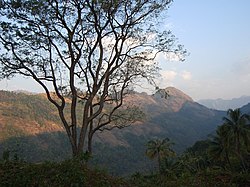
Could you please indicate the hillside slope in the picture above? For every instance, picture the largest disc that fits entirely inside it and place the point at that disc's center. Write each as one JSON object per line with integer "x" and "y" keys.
{"x": 30, "y": 127}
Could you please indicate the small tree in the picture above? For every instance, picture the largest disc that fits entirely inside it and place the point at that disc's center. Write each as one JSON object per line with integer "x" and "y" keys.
{"x": 84, "y": 52}
{"x": 159, "y": 149}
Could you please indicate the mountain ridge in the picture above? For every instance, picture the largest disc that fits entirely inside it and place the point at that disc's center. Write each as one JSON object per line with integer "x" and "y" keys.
{"x": 225, "y": 104}
{"x": 166, "y": 103}
{"x": 170, "y": 113}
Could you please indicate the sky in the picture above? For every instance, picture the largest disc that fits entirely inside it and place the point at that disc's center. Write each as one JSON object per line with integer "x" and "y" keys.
{"x": 216, "y": 33}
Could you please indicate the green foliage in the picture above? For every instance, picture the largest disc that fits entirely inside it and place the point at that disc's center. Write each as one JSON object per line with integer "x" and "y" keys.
{"x": 66, "y": 173}
{"x": 24, "y": 174}
{"x": 6, "y": 155}
{"x": 222, "y": 161}
{"x": 36, "y": 148}
{"x": 208, "y": 177}
{"x": 231, "y": 142}
{"x": 122, "y": 160}
{"x": 160, "y": 149}
{"x": 153, "y": 180}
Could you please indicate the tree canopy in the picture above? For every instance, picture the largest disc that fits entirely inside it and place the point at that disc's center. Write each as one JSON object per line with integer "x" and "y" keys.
{"x": 87, "y": 53}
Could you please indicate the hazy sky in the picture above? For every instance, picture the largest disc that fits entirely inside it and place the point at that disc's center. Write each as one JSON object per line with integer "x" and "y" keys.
{"x": 216, "y": 33}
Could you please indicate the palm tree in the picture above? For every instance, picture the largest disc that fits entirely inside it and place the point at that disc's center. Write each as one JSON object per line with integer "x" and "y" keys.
{"x": 237, "y": 127}
{"x": 159, "y": 149}
{"x": 220, "y": 146}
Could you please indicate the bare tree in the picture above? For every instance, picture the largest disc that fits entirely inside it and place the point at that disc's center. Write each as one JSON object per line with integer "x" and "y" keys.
{"x": 84, "y": 52}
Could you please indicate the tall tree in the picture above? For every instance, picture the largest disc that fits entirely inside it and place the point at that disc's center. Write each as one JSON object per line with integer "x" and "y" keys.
{"x": 85, "y": 52}
{"x": 237, "y": 127}
{"x": 159, "y": 149}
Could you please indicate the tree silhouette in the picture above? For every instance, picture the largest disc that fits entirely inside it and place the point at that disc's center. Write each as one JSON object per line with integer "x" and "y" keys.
{"x": 159, "y": 149}
{"x": 220, "y": 146}
{"x": 236, "y": 126}
{"x": 85, "y": 52}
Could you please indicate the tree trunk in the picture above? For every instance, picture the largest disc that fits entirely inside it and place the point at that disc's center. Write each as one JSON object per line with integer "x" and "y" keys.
{"x": 74, "y": 148}
{"x": 90, "y": 143}
{"x": 228, "y": 160}
{"x": 74, "y": 151}
{"x": 239, "y": 153}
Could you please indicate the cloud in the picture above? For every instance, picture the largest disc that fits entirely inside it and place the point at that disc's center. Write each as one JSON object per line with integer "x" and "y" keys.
{"x": 186, "y": 75}
{"x": 167, "y": 78}
{"x": 168, "y": 75}
{"x": 171, "y": 77}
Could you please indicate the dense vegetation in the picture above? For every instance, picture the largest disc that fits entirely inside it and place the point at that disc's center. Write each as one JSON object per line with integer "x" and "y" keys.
{"x": 66, "y": 173}
{"x": 222, "y": 160}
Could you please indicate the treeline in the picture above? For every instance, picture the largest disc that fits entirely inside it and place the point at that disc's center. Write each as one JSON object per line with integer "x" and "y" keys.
{"x": 221, "y": 160}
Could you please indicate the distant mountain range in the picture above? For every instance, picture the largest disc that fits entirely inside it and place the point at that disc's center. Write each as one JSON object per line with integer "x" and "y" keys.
{"x": 222, "y": 104}
{"x": 29, "y": 126}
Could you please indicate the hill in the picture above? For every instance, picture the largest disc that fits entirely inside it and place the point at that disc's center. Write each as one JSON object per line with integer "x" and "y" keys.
{"x": 246, "y": 109}
{"x": 222, "y": 104}
{"x": 30, "y": 128}
{"x": 171, "y": 113}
